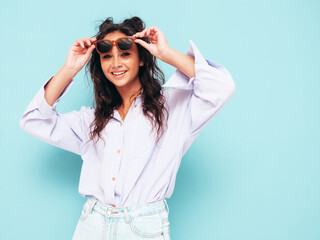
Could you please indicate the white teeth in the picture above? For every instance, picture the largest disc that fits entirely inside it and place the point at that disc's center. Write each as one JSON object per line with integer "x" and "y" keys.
{"x": 118, "y": 73}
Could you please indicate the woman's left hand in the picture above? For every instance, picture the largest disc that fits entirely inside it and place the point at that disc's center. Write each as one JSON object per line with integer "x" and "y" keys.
{"x": 159, "y": 46}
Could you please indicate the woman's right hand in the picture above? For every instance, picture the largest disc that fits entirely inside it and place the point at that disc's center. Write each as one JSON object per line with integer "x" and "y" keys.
{"x": 79, "y": 53}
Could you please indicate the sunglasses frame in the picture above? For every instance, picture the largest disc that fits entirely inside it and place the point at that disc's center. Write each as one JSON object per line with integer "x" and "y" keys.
{"x": 114, "y": 43}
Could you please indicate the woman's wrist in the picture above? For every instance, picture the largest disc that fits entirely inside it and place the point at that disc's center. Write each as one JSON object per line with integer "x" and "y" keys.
{"x": 182, "y": 62}
{"x": 68, "y": 72}
{"x": 167, "y": 55}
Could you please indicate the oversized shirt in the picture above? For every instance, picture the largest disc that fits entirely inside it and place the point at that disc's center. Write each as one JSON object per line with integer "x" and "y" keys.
{"x": 130, "y": 168}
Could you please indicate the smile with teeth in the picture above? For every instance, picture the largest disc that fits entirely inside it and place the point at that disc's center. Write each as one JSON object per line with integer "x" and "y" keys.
{"x": 118, "y": 73}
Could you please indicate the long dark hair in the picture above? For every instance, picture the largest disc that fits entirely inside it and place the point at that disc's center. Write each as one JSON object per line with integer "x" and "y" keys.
{"x": 106, "y": 96}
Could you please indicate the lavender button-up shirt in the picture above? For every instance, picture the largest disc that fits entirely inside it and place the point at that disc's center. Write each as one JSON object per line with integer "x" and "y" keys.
{"x": 131, "y": 169}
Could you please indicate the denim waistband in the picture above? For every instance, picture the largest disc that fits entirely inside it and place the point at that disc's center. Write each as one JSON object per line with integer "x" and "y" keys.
{"x": 125, "y": 212}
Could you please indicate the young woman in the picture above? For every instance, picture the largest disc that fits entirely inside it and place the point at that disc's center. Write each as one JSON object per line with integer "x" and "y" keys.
{"x": 133, "y": 140}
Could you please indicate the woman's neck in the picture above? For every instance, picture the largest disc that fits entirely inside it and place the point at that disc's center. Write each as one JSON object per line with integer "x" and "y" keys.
{"x": 129, "y": 93}
{"x": 124, "y": 108}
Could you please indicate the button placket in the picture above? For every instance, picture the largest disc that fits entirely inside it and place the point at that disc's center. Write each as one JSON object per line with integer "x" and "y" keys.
{"x": 117, "y": 149}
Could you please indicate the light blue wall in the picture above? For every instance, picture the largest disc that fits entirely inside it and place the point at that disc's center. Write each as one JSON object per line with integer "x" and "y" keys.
{"x": 253, "y": 173}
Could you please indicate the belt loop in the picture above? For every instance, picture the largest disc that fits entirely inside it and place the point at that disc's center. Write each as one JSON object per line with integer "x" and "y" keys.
{"x": 127, "y": 214}
{"x": 165, "y": 201}
{"x": 92, "y": 205}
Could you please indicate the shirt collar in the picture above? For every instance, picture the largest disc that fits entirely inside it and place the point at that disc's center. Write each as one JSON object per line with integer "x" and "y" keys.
{"x": 137, "y": 101}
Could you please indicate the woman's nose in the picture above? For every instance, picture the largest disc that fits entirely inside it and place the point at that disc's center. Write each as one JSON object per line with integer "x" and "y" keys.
{"x": 116, "y": 61}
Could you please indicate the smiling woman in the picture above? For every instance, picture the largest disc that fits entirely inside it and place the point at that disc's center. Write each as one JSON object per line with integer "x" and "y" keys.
{"x": 122, "y": 67}
{"x": 133, "y": 140}
{"x": 143, "y": 76}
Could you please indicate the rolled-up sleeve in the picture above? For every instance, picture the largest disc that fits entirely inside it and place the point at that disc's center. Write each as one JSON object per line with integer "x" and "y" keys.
{"x": 66, "y": 131}
{"x": 202, "y": 96}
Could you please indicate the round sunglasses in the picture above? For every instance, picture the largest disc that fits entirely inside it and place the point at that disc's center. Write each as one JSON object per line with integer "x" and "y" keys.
{"x": 123, "y": 44}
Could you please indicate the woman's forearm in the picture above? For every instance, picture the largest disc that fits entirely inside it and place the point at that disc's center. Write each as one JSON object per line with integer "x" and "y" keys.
{"x": 57, "y": 84}
{"x": 182, "y": 62}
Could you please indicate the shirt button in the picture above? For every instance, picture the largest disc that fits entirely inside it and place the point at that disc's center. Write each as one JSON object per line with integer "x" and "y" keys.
{"x": 118, "y": 151}
{"x": 113, "y": 205}
{"x": 120, "y": 124}
{"x": 113, "y": 178}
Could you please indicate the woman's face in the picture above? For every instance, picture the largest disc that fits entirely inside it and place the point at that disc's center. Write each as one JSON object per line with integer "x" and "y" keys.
{"x": 121, "y": 67}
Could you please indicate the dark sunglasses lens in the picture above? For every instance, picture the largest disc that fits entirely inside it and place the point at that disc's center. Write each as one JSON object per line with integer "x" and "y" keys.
{"x": 125, "y": 44}
{"x": 104, "y": 46}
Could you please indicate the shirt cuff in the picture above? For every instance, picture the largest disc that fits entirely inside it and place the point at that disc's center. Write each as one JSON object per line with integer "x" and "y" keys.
{"x": 41, "y": 102}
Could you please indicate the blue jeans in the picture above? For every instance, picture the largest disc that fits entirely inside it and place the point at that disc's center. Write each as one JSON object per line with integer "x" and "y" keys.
{"x": 97, "y": 221}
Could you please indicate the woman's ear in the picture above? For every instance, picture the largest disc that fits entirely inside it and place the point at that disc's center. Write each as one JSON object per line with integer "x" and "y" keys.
{"x": 141, "y": 63}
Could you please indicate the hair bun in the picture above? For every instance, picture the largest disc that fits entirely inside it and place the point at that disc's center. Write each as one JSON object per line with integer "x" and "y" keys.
{"x": 135, "y": 22}
{"x": 108, "y": 21}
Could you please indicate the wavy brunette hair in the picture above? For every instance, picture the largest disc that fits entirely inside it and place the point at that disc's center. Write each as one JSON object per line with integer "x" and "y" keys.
{"x": 106, "y": 96}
